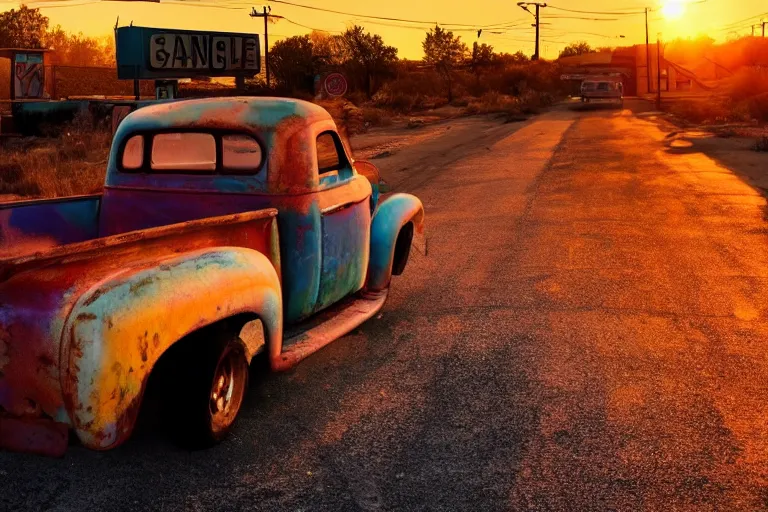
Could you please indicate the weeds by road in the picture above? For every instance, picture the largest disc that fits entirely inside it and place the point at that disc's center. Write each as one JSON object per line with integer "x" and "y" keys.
{"x": 73, "y": 163}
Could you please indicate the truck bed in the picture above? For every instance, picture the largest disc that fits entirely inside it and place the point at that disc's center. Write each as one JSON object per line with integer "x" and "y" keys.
{"x": 38, "y": 289}
{"x": 29, "y": 227}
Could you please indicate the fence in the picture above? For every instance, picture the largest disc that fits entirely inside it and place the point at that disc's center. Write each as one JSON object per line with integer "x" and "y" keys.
{"x": 69, "y": 81}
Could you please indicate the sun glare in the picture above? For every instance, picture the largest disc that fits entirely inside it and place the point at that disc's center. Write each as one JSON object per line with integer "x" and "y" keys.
{"x": 673, "y": 9}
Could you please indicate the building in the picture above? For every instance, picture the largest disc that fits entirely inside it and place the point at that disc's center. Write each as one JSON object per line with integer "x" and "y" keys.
{"x": 638, "y": 66}
{"x": 27, "y": 79}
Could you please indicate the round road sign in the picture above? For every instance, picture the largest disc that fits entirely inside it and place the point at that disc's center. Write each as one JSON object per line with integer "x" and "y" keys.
{"x": 335, "y": 84}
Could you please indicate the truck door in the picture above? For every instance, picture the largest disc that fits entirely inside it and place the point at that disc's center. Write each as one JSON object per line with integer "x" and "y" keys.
{"x": 346, "y": 219}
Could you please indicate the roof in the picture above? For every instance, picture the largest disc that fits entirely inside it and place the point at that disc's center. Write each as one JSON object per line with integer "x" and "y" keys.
{"x": 586, "y": 59}
{"x": 224, "y": 113}
{"x": 8, "y": 52}
{"x": 27, "y": 50}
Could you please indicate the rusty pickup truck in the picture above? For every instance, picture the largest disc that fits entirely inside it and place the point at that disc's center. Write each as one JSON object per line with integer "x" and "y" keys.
{"x": 227, "y": 228}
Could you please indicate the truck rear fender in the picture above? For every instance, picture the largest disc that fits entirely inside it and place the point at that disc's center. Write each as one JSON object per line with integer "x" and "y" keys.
{"x": 395, "y": 221}
{"x": 121, "y": 326}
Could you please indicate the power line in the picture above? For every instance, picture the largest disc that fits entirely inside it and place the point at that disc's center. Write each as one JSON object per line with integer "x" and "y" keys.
{"x": 385, "y": 18}
{"x": 558, "y": 17}
{"x": 310, "y": 28}
{"x": 503, "y": 28}
{"x": 616, "y": 13}
{"x": 734, "y": 25}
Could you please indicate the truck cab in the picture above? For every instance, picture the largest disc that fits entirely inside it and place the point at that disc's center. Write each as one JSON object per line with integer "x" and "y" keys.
{"x": 229, "y": 158}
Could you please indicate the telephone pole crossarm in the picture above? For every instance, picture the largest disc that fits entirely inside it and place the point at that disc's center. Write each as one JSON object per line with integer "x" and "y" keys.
{"x": 266, "y": 15}
{"x": 538, "y": 5}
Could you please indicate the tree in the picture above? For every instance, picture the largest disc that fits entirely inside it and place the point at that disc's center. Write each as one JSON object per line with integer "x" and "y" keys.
{"x": 22, "y": 28}
{"x": 573, "y": 49}
{"x": 505, "y": 59}
{"x": 444, "y": 52}
{"x": 293, "y": 63}
{"x": 80, "y": 50}
{"x": 328, "y": 48}
{"x": 481, "y": 59}
{"x": 369, "y": 54}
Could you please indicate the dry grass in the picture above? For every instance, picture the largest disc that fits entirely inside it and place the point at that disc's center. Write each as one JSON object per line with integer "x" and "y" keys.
{"x": 72, "y": 164}
{"x": 493, "y": 102}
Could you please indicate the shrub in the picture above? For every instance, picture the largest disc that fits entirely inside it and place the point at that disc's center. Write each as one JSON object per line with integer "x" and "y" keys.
{"x": 758, "y": 106}
{"x": 748, "y": 82}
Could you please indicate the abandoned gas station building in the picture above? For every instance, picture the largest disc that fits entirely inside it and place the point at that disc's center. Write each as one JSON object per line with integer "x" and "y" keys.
{"x": 636, "y": 66}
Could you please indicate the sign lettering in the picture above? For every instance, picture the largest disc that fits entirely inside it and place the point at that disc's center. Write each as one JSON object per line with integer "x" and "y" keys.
{"x": 201, "y": 52}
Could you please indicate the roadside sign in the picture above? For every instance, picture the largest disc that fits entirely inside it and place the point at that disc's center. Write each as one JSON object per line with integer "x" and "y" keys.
{"x": 158, "y": 53}
{"x": 335, "y": 85}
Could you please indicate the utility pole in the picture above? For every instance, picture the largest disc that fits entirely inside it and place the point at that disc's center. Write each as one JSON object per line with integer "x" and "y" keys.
{"x": 524, "y": 6}
{"x": 647, "y": 53}
{"x": 264, "y": 14}
{"x": 658, "y": 72}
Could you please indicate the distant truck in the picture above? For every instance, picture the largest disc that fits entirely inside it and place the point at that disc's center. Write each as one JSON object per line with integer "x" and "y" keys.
{"x": 227, "y": 228}
{"x": 602, "y": 91}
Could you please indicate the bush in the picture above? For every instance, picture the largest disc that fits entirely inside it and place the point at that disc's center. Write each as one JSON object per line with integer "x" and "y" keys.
{"x": 710, "y": 111}
{"x": 747, "y": 83}
{"x": 411, "y": 91}
{"x": 758, "y": 107}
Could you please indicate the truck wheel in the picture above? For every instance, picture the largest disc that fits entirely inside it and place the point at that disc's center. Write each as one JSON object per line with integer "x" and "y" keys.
{"x": 217, "y": 377}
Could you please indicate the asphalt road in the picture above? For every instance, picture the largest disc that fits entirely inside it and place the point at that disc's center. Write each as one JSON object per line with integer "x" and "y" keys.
{"x": 587, "y": 332}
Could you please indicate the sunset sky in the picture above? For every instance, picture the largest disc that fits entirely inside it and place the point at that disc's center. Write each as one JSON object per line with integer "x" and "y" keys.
{"x": 713, "y": 17}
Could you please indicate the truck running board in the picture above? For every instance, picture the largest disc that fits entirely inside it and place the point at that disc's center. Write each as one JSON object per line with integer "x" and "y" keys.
{"x": 329, "y": 325}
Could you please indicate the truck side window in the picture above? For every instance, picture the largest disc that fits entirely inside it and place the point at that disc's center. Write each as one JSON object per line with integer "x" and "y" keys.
{"x": 240, "y": 154}
{"x": 328, "y": 157}
{"x": 133, "y": 153}
{"x": 184, "y": 152}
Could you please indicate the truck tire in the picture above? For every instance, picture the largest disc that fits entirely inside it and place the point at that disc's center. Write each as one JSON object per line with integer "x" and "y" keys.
{"x": 215, "y": 378}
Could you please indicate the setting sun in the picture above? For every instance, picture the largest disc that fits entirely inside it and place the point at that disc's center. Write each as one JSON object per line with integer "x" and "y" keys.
{"x": 673, "y": 9}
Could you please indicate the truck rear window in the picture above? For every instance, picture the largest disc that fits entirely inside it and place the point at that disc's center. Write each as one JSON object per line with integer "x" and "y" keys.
{"x": 184, "y": 152}
{"x": 193, "y": 152}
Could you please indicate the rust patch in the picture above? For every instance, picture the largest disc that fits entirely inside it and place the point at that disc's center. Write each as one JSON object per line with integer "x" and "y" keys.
{"x": 138, "y": 285}
{"x": 45, "y": 360}
{"x": 143, "y": 347}
{"x": 93, "y": 298}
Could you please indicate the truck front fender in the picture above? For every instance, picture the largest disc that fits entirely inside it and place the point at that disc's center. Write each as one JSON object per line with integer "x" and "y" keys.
{"x": 121, "y": 326}
{"x": 392, "y": 215}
